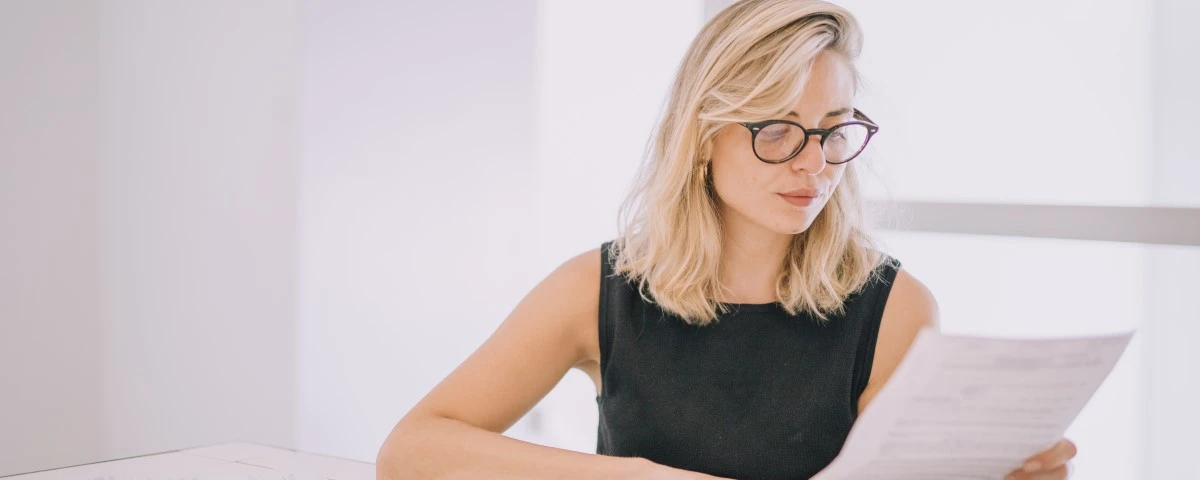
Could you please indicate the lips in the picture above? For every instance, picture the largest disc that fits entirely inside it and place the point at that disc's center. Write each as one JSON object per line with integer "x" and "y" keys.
{"x": 799, "y": 201}
{"x": 803, "y": 192}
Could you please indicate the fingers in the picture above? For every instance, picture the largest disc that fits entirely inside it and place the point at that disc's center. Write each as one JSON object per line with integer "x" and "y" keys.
{"x": 1060, "y": 473}
{"x": 1054, "y": 457}
{"x": 1050, "y": 464}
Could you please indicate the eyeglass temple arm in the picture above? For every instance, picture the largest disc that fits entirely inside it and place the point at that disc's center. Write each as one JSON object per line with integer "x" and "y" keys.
{"x": 862, "y": 116}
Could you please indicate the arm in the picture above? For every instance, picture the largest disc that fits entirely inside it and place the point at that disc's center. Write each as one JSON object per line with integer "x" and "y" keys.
{"x": 455, "y": 430}
{"x": 910, "y": 307}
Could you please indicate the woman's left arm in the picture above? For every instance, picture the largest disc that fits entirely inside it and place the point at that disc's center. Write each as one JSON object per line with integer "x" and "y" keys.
{"x": 911, "y": 307}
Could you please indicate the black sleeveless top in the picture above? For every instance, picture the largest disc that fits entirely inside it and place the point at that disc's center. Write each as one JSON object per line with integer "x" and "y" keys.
{"x": 759, "y": 394}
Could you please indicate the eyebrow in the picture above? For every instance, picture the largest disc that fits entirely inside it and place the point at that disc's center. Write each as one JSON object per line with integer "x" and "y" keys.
{"x": 835, "y": 113}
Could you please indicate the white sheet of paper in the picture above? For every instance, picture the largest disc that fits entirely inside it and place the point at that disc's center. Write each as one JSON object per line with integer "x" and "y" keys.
{"x": 974, "y": 407}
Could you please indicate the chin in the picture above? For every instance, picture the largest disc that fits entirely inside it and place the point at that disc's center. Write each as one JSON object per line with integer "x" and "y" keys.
{"x": 801, "y": 229}
{"x": 790, "y": 225}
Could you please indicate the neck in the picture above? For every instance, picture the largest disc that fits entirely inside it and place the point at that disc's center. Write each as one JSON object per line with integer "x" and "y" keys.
{"x": 751, "y": 257}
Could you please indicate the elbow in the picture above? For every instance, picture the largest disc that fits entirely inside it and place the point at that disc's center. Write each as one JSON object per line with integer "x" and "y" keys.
{"x": 395, "y": 461}
{"x": 411, "y": 451}
{"x": 388, "y": 461}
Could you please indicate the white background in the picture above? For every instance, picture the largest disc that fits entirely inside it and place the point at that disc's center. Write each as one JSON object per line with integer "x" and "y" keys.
{"x": 148, "y": 164}
{"x": 284, "y": 221}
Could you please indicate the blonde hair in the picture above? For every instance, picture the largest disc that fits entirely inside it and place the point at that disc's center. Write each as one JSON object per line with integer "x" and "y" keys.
{"x": 750, "y": 62}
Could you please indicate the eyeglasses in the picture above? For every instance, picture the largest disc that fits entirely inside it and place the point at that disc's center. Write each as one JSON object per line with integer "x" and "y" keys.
{"x": 777, "y": 141}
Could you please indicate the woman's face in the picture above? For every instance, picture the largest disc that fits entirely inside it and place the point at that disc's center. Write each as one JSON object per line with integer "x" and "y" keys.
{"x": 750, "y": 191}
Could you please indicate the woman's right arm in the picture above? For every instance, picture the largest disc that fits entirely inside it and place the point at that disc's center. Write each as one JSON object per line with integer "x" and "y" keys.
{"x": 455, "y": 430}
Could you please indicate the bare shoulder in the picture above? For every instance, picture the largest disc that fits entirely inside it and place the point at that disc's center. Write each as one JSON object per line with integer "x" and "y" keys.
{"x": 579, "y": 281}
{"x": 910, "y": 307}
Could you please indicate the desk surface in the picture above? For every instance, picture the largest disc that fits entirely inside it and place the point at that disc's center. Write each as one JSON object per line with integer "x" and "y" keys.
{"x": 241, "y": 461}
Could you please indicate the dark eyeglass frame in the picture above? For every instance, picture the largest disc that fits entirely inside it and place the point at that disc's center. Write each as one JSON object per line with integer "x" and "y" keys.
{"x": 862, "y": 119}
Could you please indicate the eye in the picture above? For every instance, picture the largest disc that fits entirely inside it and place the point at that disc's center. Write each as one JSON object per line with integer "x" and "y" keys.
{"x": 772, "y": 134}
{"x": 776, "y": 132}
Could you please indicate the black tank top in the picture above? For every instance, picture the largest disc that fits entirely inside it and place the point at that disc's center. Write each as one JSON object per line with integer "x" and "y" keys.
{"x": 759, "y": 394}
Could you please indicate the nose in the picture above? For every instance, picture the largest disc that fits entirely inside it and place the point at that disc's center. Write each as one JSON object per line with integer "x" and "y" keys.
{"x": 811, "y": 157}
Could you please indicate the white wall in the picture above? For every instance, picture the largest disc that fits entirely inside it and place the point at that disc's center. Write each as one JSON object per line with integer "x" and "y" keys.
{"x": 1021, "y": 101}
{"x": 51, "y": 225}
{"x": 415, "y": 240}
{"x": 147, "y": 211}
{"x": 599, "y": 96}
{"x": 415, "y": 203}
{"x": 1171, "y": 384}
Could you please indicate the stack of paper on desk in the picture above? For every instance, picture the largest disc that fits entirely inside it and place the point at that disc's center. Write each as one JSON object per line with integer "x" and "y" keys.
{"x": 972, "y": 407}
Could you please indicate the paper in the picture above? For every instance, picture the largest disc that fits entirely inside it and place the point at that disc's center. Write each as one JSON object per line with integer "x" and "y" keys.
{"x": 972, "y": 407}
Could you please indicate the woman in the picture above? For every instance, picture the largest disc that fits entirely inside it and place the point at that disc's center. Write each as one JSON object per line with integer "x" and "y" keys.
{"x": 743, "y": 318}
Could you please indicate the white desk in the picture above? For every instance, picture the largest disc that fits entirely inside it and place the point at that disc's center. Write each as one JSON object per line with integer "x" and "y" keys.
{"x": 233, "y": 461}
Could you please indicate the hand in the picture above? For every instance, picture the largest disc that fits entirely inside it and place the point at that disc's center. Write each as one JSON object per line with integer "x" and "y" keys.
{"x": 1052, "y": 464}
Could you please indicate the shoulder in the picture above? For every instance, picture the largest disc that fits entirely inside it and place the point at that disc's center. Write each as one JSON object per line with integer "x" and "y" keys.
{"x": 910, "y": 304}
{"x": 564, "y": 305}
{"x": 576, "y": 282}
{"x": 910, "y": 307}
{"x": 575, "y": 287}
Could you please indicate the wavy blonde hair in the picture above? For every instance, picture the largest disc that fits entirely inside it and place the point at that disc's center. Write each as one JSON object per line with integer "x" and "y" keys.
{"x": 750, "y": 62}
